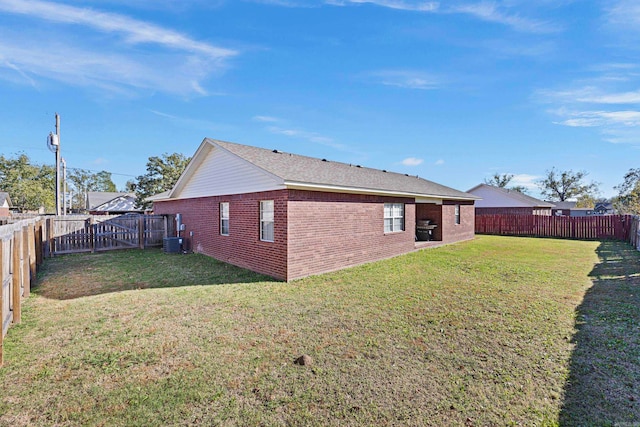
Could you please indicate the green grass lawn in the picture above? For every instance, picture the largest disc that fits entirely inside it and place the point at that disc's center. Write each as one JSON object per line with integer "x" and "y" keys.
{"x": 495, "y": 331}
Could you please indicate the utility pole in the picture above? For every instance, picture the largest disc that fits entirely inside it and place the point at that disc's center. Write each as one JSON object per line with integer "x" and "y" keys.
{"x": 64, "y": 186}
{"x": 53, "y": 143}
{"x": 58, "y": 208}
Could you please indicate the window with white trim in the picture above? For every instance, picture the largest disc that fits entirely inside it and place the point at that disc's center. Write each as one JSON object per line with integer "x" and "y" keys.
{"x": 266, "y": 220}
{"x": 393, "y": 217}
{"x": 457, "y": 214}
{"x": 224, "y": 218}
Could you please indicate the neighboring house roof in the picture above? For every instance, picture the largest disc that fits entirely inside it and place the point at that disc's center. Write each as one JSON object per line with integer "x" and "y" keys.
{"x": 5, "y": 201}
{"x": 99, "y": 201}
{"x": 159, "y": 196}
{"x": 285, "y": 170}
{"x": 497, "y": 197}
{"x": 565, "y": 205}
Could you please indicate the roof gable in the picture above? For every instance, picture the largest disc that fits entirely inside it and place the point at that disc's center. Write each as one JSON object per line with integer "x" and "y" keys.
{"x": 214, "y": 171}
{"x": 5, "y": 201}
{"x": 125, "y": 203}
{"x": 496, "y": 197}
{"x": 97, "y": 198}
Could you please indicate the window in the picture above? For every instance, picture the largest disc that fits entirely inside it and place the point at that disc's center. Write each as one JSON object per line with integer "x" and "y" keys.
{"x": 457, "y": 213}
{"x": 393, "y": 217}
{"x": 224, "y": 218}
{"x": 266, "y": 220}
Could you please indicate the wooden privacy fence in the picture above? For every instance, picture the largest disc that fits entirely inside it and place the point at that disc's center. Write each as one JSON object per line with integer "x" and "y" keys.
{"x": 617, "y": 227}
{"x": 84, "y": 233}
{"x": 21, "y": 252}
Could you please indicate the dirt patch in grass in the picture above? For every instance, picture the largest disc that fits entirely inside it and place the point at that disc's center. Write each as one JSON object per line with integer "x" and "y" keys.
{"x": 480, "y": 333}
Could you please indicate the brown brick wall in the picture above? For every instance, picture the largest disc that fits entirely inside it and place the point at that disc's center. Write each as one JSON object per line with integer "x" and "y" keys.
{"x": 242, "y": 247}
{"x": 326, "y": 231}
{"x": 329, "y": 231}
{"x": 453, "y": 232}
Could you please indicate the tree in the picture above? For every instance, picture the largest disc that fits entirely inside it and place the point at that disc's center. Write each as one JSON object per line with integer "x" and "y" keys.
{"x": 559, "y": 186}
{"x": 30, "y": 187}
{"x": 162, "y": 174}
{"x": 502, "y": 180}
{"x": 130, "y": 186}
{"x": 628, "y": 199}
{"x": 586, "y": 201}
{"x": 83, "y": 181}
{"x": 499, "y": 180}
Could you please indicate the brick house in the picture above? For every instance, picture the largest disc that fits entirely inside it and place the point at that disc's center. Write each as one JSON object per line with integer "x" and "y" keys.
{"x": 291, "y": 216}
{"x": 496, "y": 200}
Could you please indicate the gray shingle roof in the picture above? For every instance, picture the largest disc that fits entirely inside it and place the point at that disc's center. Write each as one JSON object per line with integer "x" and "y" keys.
{"x": 532, "y": 201}
{"x": 293, "y": 168}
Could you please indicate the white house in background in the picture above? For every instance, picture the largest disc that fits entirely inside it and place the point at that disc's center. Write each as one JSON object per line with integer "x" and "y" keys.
{"x": 497, "y": 200}
{"x": 5, "y": 203}
{"x": 570, "y": 209}
{"x": 111, "y": 203}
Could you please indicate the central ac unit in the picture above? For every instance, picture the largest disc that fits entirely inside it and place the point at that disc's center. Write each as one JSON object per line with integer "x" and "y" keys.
{"x": 171, "y": 245}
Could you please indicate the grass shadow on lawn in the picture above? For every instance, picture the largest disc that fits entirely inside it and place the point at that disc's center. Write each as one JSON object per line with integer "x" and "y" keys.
{"x": 81, "y": 275}
{"x": 604, "y": 381}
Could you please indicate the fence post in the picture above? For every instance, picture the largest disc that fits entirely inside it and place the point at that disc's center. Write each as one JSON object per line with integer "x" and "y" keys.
{"x": 26, "y": 268}
{"x": 49, "y": 247}
{"x": 141, "y": 232}
{"x": 17, "y": 276}
{"x": 1, "y": 304}
{"x": 92, "y": 236}
{"x": 38, "y": 242}
{"x": 32, "y": 252}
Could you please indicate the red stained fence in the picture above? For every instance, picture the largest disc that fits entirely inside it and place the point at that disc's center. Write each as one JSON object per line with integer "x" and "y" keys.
{"x": 616, "y": 227}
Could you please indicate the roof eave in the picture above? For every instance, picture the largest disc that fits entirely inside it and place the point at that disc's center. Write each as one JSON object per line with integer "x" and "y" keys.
{"x": 294, "y": 185}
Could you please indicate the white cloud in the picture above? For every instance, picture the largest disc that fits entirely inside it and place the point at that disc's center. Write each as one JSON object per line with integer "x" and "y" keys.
{"x": 490, "y": 12}
{"x": 188, "y": 122}
{"x": 416, "y": 6}
{"x": 607, "y": 101}
{"x": 267, "y": 119}
{"x": 141, "y": 56}
{"x": 603, "y": 118}
{"x": 613, "y": 98}
{"x": 407, "y": 79}
{"x": 133, "y": 30}
{"x": 412, "y": 161}
{"x": 439, "y": 162}
{"x": 309, "y": 136}
{"x": 524, "y": 180}
{"x": 624, "y": 14}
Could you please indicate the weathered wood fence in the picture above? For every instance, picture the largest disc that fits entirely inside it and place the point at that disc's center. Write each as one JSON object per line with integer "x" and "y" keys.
{"x": 84, "y": 233}
{"x": 634, "y": 233}
{"x": 616, "y": 227}
{"x": 21, "y": 252}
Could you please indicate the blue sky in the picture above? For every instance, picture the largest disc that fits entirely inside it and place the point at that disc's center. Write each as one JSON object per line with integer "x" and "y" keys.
{"x": 452, "y": 91}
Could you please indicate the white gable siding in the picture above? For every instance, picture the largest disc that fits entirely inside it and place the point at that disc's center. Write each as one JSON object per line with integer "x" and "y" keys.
{"x": 4, "y": 204}
{"x": 222, "y": 173}
{"x": 496, "y": 199}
